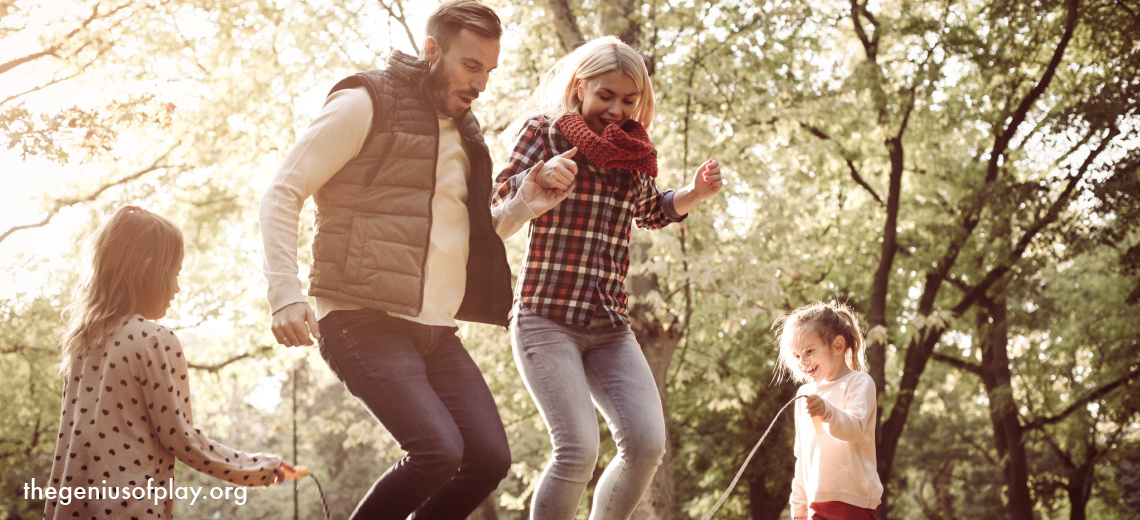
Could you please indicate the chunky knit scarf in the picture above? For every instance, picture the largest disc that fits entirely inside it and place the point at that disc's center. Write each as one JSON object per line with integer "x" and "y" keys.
{"x": 626, "y": 147}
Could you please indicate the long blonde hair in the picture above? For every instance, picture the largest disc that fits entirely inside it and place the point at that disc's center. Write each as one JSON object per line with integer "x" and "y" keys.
{"x": 128, "y": 264}
{"x": 828, "y": 321}
{"x": 558, "y": 92}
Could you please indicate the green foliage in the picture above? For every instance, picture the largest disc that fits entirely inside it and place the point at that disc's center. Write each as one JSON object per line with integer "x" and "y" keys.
{"x": 188, "y": 108}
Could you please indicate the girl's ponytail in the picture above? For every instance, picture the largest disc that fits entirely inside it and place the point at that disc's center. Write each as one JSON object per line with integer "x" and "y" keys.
{"x": 856, "y": 344}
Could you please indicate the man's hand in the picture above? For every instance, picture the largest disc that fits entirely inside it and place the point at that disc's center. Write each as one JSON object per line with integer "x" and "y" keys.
{"x": 293, "y": 323}
{"x": 541, "y": 199}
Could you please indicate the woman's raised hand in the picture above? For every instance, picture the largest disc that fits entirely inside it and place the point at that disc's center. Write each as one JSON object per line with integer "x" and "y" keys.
{"x": 558, "y": 173}
{"x": 708, "y": 179}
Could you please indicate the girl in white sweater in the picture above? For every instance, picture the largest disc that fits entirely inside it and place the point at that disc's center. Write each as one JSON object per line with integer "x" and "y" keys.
{"x": 822, "y": 345}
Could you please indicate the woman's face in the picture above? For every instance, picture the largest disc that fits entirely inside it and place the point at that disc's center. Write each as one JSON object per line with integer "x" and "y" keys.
{"x": 608, "y": 99}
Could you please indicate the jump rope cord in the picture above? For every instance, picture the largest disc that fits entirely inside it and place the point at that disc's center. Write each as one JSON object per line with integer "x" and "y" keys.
{"x": 747, "y": 460}
{"x": 716, "y": 507}
{"x": 324, "y": 501}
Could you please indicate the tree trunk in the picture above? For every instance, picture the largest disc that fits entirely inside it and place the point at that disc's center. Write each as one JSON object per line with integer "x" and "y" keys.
{"x": 565, "y": 24}
{"x": 1078, "y": 498}
{"x": 919, "y": 350}
{"x": 1008, "y": 431}
{"x": 617, "y": 18}
{"x": 880, "y": 288}
{"x": 1081, "y": 477}
{"x": 485, "y": 511}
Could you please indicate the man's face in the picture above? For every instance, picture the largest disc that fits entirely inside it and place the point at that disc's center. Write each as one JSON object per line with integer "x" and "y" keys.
{"x": 460, "y": 73}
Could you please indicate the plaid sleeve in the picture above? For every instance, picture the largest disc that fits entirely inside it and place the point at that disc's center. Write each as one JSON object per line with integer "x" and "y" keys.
{"x": 527, "y": 151}
{"x": 654, "y": 208}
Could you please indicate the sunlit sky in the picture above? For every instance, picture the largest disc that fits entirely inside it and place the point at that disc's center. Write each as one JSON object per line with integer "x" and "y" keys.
{"x": 30, "y": 183}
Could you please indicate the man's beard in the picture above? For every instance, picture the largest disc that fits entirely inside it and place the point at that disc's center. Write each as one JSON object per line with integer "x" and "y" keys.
{"x": 441, "y": 96}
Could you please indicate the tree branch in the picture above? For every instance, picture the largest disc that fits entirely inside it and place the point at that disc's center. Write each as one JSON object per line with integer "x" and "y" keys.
{"x": 1098, "y": 393}
{"x": 60, "y": 204}
{"x": 816, "y": 131}
{"x": 396, "y": 11}
{"x": 870, "y": 43}
{"x": 54, "y": 49}
{"x": 565, "y": 24}
{"x": 957, "y": 362}
{"x": 37, "y": 88}
{"x": 1031, "y": 233}
{"x": 1003, "y": 140}
{"x": 222, "y": 364}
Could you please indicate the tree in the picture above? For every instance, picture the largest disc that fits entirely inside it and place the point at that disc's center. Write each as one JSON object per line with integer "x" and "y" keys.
{"x": 963, "y": 174}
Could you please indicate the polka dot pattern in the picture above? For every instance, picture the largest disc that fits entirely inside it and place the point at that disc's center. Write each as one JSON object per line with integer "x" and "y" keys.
{"x": 126, "y": 417}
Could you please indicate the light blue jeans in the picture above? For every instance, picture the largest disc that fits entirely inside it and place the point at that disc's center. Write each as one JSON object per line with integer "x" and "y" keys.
{"x": 569, "y": 370}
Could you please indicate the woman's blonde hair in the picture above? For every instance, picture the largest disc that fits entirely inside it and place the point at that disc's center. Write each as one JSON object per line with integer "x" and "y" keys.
{"x": 558, "y": 92}
{"x": 828, "y": 321}
{"x": 128, "y": 264}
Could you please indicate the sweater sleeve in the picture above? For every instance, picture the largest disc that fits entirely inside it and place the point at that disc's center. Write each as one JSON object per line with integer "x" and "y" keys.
{"x": 510, "y": 217}
{"x": 851, "y": 421}
{"x": 798, "y": 499}
{"x": 508, "y": 211}
{"x": 334, "y": 138}
{"x": 162, "y": 373}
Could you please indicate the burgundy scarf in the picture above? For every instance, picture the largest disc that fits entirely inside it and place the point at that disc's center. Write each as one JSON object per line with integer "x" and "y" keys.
{"x": 626, "y": 147}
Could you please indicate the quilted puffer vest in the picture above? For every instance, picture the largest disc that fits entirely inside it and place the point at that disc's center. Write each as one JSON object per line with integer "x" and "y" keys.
{"x": 374, "y": 216}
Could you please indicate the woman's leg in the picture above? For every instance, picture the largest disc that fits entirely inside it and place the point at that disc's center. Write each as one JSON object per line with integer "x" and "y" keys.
{"x": 550, "y": 360}
{"x": 622, "y": 386}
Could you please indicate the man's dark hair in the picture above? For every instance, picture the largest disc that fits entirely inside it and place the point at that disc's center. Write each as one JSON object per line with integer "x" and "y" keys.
{"x": 448, "y": 19}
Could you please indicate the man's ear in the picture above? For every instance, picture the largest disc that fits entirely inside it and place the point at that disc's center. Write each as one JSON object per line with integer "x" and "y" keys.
{"x": 432, "y": 50}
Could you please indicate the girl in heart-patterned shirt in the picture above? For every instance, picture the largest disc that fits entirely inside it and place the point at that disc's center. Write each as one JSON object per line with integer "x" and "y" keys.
{"x": 126, "y": 399}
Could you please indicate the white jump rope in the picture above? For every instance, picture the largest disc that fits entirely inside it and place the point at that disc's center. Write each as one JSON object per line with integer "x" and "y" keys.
{"x": 818, "y": 431}
{"x": 303, "y": 472}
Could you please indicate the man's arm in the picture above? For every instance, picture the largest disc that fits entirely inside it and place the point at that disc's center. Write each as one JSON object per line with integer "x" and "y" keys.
{"x": 333, "y": 139}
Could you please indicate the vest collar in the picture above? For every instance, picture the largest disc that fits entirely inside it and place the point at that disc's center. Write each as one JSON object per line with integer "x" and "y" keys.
{"x": 415, "y": 71}
{"x": 409, "y": 68}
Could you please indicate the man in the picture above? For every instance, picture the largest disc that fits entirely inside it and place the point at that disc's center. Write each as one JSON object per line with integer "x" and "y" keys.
{"x": 406, "y": 243}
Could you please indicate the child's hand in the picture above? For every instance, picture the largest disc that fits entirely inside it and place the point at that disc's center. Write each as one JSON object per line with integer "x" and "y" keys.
{"x": 558, "y": 173}
{"x": 285, "y": 472}
{"x": 708, "y": 179}
{"x": 816, "y": 405}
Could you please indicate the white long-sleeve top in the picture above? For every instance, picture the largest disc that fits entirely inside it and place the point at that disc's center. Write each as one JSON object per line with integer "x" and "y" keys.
{"x": 838, "y": 466}
{"x": 334, "y": 138}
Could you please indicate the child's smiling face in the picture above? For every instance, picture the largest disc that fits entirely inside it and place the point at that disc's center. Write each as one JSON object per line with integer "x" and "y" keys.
{"x": 820, "y": 361}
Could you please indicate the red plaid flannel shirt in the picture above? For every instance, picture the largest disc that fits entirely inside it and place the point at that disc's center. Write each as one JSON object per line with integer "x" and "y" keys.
{"x": 578, "y": 253}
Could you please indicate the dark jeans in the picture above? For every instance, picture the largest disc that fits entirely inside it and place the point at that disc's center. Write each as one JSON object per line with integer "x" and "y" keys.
{"x": 423, "y": 387}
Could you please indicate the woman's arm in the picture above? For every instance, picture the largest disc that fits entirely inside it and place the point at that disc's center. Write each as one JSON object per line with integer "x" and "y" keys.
{"x": 706, "y": 181}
